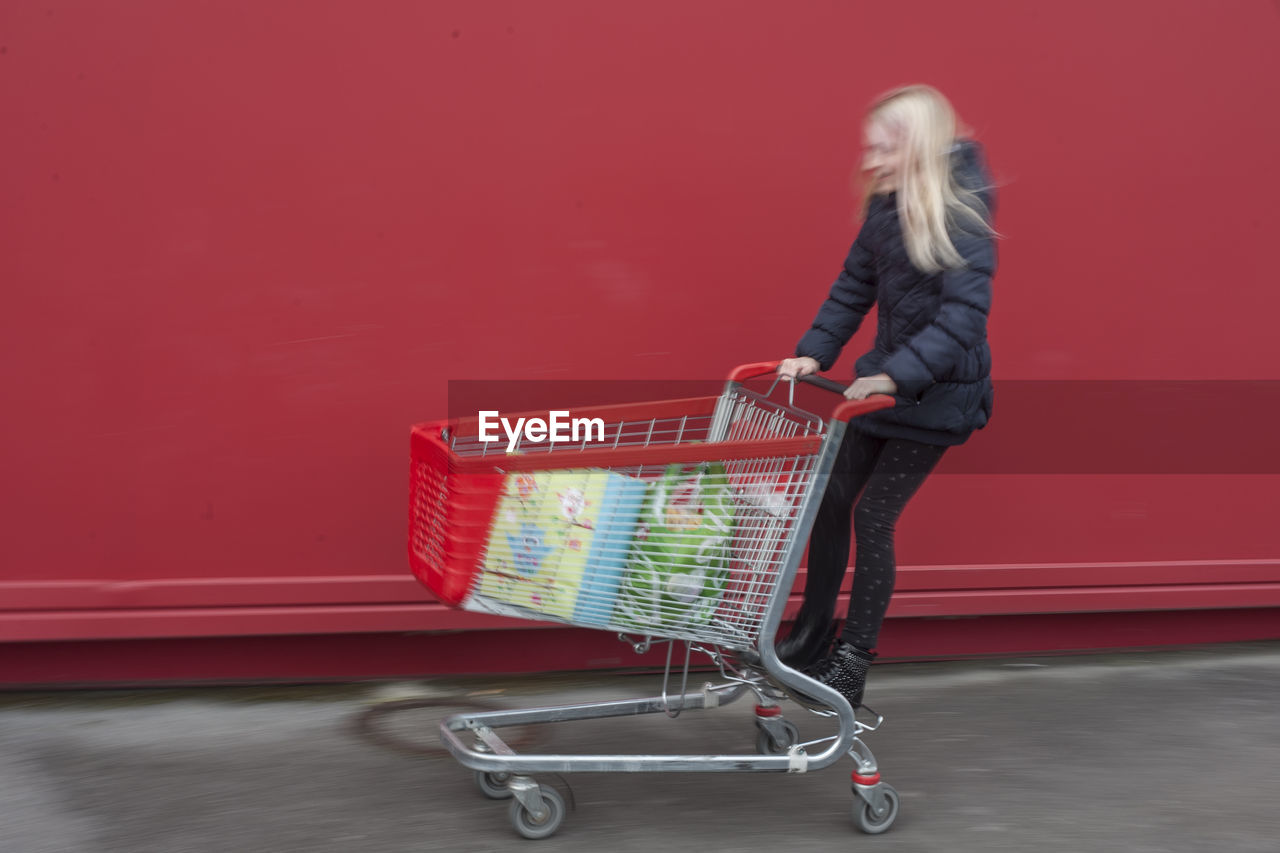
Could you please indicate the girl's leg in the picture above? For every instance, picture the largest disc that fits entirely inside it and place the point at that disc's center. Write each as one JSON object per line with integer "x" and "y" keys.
{"x": 814, "y": 628}
{"x": 901, "y": 468}
{"x": 832, "y": 528}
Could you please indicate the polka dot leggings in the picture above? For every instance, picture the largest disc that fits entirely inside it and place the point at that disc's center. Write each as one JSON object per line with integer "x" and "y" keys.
{"x": 887, "y": 472}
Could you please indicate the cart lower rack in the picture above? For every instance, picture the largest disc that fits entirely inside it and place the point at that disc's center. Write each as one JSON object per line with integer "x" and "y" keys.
{"x": 678, "y": 521}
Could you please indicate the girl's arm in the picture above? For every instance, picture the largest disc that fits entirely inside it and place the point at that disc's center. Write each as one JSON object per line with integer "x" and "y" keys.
{"x": 851, "y": 296}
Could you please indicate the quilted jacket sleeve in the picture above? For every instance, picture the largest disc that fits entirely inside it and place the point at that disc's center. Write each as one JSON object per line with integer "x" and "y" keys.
{"x": 851, "y": 296}
{"x": 960, "y": 325}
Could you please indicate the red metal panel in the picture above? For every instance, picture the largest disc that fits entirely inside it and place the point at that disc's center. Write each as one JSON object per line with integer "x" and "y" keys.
{"x": 236, "y": 271}
{"x": 209, "y": 592}
{"x": 400, "y": 655}
{"x": 1086, "y": 576}
{"x": 1204, "y": 587}
{"x": 403, "y": 589}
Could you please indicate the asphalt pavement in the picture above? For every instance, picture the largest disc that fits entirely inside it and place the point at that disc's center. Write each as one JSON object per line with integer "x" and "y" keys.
{"x": 1143, "y": 751}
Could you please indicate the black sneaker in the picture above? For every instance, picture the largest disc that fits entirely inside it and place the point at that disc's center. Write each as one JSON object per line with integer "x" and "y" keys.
{"x": 845, "y": 669}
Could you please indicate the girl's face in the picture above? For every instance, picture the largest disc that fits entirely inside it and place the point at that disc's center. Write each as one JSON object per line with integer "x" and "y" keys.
{"x": 881, "y": 157}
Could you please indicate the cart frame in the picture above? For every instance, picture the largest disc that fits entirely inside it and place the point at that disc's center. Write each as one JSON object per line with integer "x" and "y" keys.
{"x": 537, "y": 810}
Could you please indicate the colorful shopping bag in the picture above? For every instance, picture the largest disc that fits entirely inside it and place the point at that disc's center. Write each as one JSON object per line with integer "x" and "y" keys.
{"x": 679, "y": 563}
{"x": 558, "y": 545}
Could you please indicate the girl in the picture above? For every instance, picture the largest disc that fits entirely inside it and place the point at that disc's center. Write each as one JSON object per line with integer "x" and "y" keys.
{"x": 925, "y": 255}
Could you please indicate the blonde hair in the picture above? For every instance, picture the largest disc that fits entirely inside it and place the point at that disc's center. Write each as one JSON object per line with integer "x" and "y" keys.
{"x": 929, "y": 198}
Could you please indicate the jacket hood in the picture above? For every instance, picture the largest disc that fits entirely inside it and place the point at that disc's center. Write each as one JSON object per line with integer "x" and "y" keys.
{"x": 969, "y": 166}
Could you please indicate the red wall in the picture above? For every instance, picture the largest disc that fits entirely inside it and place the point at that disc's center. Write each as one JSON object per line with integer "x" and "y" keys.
{"x": 244, "y": 246}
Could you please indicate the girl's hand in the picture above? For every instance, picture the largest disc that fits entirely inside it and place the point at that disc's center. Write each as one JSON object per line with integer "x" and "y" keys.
{"x": 797, "y": 367}
{"x": 865, "y": 386}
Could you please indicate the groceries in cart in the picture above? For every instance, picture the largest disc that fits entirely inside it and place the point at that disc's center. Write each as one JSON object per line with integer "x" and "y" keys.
{"x": 679, "y": 561}
{"x": 594, "y": 547}
{"x": 558, "y": 545}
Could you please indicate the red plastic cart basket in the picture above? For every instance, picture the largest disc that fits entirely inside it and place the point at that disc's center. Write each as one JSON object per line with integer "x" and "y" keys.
{"x": 767, "y": 452}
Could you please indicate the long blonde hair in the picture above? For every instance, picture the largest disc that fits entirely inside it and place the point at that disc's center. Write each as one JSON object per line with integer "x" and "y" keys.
{"x": 929, "y": 197}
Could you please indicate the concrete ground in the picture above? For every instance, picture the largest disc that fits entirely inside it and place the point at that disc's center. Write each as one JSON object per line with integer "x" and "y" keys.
{"x": 1169, "y": 750}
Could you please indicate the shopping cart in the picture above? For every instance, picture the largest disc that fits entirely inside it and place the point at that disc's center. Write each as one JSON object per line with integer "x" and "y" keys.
{"x": 759, "y": 466}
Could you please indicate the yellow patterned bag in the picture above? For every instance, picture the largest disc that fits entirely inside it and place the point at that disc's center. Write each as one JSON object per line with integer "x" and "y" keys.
{"x": 558, "y": 545}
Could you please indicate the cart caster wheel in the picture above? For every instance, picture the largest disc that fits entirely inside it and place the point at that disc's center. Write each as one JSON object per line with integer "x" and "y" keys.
{"x": 494, "y": 785}
{"x": 867, "y": 819}
{"x": 530, "y": 826}
{"x": 766, "y": 744}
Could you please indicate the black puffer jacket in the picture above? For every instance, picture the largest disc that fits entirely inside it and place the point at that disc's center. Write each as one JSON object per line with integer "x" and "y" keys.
{"x": 931, "y": 338}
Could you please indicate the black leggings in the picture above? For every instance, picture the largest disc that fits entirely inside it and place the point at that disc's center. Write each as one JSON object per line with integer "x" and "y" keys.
{"x": 887, "y": 472}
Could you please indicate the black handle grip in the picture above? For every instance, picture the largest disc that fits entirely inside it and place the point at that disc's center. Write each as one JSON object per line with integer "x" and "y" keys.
{"x": 824, "y": 383}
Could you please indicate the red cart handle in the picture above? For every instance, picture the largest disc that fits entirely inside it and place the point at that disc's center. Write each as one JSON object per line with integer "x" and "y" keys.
{"x": 751, "y": 371}
{"x": 843, "y": 412}
{"x": 852, "y": 408}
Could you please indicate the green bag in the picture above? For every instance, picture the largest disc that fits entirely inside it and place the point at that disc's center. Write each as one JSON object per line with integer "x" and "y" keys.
{"x": 679, "y": 561}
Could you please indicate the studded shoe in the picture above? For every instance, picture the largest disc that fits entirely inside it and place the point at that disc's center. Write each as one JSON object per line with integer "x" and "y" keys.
{"x": 845, "y": 669}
